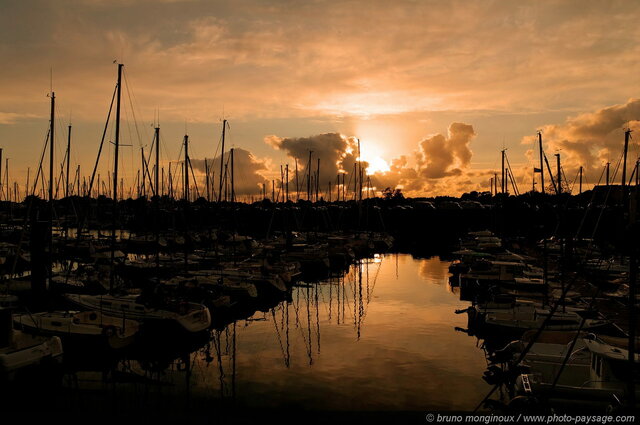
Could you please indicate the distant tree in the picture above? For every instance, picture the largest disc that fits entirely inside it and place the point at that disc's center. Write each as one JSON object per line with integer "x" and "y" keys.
{"x": 387, "y": 193}
{"x": 395, "y": 194}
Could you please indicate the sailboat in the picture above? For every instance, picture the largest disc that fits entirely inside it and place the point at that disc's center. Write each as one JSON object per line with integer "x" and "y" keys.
{"x": 603, "y": 382}
{"x": 191, "y": 317}
{"x": 83, "y": 327}
{"x": 20, "y": 350}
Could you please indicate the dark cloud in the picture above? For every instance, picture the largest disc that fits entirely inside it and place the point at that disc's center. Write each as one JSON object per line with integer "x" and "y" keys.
{"x": 248, "y": 171}
{"x": 337, "y": 153}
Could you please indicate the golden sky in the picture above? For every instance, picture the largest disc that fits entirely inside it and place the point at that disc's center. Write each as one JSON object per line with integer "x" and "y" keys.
{"x": 433, "y": 89}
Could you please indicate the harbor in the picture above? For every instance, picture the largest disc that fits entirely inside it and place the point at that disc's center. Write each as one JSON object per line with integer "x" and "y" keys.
{"x": 319, "y": 212}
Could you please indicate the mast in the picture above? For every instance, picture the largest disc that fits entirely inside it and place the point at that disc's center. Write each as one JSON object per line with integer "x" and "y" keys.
{"x": 186, "y": 168}
{"x": 206, "y": 176}
{"x": 224, "y": 128}
{"x": 309, "y": 177}
{"x": 627, "y": 135}
{"x": 318, "y": 180}
{"x": 233, "y": 190}
{"x": 51, "y": 146}
{"x": 608, "y": 165}
{"x": 226, "y": 182}
{"x": 144, "y": 174}
{"x": 580, "y": 186}
{"x": 66, "y": 186}
{"x": 297, "y": 185}
{"x": 115, "y": 176}
{"x": 157, "y": 167}
{"x": 502, "y": 176}
{"x": 541, "y": 161}
{"x": 360, "y": 174}
{"x": 559, "y": 173}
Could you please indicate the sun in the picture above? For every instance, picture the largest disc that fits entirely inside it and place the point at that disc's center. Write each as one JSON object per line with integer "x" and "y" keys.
{"x": 372, "y": 154}
{"x": 379, "y": 143}
{"x": 376, "y": 164}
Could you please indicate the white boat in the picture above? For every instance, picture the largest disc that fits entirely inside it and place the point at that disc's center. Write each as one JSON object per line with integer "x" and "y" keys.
{"x": 192, "y": 317}
{"x": 81, "y": 326}
{"x": 603, "y": 381}
{"x": 549, "y": 351}
{"x": 528, "y": 317}
{"x": 19, "y": 350}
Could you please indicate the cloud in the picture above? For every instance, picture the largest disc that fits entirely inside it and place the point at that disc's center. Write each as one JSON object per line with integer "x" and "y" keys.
{"x": 8, "y": 118}
{"x": 248, "y": 169}
{"x": 441, "y": 156}
{"x": 337, "y": 154}
{"x": 441, "y": 165}
{"x": 591, "y": 139}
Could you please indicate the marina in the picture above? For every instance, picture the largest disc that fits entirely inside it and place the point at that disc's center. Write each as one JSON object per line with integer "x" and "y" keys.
{"x": 324, "y": 212}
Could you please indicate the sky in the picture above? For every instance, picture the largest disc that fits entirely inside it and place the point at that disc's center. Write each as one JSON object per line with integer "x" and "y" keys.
{"x": 432, "y": 90}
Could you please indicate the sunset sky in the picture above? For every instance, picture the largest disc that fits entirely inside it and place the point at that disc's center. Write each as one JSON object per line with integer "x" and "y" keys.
{"x": 433, "y": 89}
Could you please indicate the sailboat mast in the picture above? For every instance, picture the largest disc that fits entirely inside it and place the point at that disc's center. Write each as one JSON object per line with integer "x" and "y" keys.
{"x": 503, "y": 176}
{"x": 157, "y": 170}
{"x": 318, "y": 179}
{"x": 627, "y": 135}
{"x": 559, "y": 173}
{"x": 206, "y": 178}
{"x": 541, "y": 161}
{"x": 117, "y": 144}
{"x": 233, "y": 190}
{"x": 144, "y": 174}
{"x": 186, "y": 167}
{"x": 580, "y": 186}
{"x": 66, "y": 186}
{"x": 51, "y": 146}
{"x": 115, "y": 177}
{"x": 224, "y": 128}
{"x": 309, "y": 177}
{"x": 360, "y": 174}
{"x": 297, "y": 185}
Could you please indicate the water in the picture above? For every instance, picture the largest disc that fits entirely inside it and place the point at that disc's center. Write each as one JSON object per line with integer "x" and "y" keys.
{"x": 379, "y": 338}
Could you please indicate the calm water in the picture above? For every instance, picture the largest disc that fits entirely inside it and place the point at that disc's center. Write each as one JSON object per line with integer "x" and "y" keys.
{"x": 379, "y": 338}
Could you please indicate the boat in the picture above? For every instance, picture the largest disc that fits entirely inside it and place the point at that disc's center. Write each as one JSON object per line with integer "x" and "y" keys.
{"x": 191, "y": 317}
{"x": 523, "y": 318}
{"x": 82, "y": 327}
{"x": 20, "y": 351}
{"x": 602, "y": 383}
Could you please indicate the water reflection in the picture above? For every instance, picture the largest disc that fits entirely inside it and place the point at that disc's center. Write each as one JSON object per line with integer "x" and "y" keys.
{"x": 378, "y": 337}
